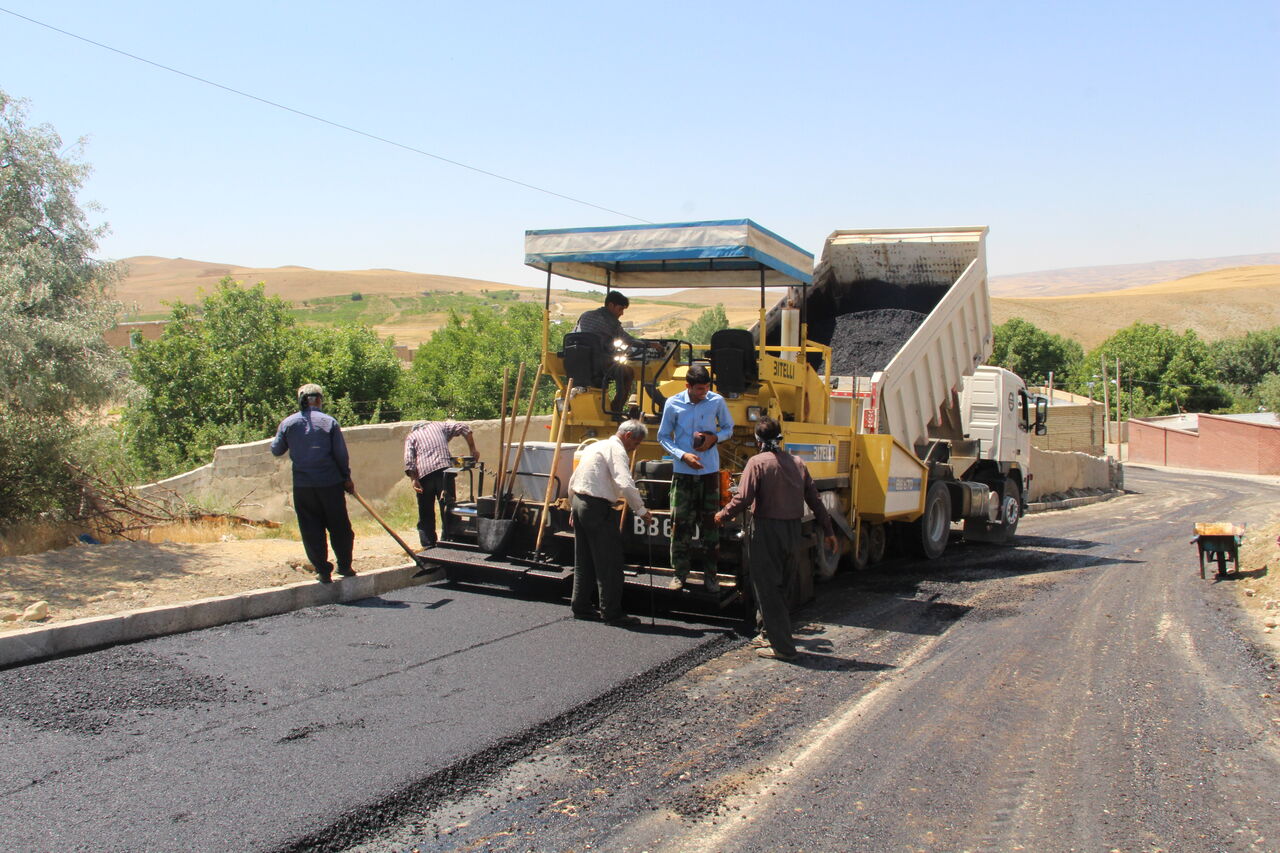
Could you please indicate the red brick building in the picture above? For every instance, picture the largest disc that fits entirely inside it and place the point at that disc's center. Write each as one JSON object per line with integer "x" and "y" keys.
{"x": 1246, "y": 444}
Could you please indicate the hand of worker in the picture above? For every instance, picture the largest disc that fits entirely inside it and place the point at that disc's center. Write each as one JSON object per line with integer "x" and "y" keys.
{"x": 704, "y": 441}
{"x": 417, "y": 485}
{"x": 349, "y": 487}
{"x": 720, "y": 517}
{"x": 692, "y": 460}
{"x": 647, "y": 516}
{"x": 830, "y": 542}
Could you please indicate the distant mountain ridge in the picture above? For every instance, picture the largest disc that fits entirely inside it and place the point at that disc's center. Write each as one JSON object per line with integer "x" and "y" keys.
{"x": 1074, "y": 281}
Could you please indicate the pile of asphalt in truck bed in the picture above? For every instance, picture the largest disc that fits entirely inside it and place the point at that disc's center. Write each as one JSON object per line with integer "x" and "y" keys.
{"x": 865, "y": 341}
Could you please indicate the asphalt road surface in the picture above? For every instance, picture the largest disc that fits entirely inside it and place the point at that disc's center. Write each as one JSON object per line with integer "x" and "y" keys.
{"x": 1086, "y": 691}
{"x": 328, "y": 720}
{"x": 1083, "y": 691}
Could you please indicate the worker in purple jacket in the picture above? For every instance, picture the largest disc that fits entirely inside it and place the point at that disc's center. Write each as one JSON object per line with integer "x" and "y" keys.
{"x": 775, "y": 486}
{"x": 321, "y": 473}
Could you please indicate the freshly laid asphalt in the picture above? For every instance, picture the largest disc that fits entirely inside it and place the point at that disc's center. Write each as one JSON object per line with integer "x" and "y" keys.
{"x": 258, "y": 734}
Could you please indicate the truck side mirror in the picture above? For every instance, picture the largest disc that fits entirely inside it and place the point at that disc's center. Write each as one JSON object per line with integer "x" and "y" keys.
{"x": 1042, "y": 415}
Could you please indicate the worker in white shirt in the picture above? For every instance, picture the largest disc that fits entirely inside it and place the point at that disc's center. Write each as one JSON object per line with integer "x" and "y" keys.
{"x": 598, "y": 487}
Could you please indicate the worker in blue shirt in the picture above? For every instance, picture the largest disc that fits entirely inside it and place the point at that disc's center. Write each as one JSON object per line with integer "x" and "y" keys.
{"x": 693, "y": 422}
{"x": 321, "y": 473}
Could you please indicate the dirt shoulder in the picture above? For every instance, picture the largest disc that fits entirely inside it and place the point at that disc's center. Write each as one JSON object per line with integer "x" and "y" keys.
{"x": 95, "y": 580}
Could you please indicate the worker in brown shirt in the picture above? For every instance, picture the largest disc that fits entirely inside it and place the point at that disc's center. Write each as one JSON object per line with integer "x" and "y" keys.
{"x": 776, "y": 486}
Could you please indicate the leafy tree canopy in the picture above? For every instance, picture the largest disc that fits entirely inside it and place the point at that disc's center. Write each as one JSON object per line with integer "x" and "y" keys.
{"x": 1246, "y": 360}
{"x": 708, "y": 323}
{"x": 1166, "y": 372}
{"x": 1033, "y": 353}
{"x": 54, "y": 307}
{"x": 226, "y": 370}
{"x": 458, "y": 373}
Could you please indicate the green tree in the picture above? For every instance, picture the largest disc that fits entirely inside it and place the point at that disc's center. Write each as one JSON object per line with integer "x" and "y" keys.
{"x": 225, "y": 371}
{"x": 1165, "y": 372}
{"x": 55, "y": 367}
{"x": 708, "y": 323}
{"x": 1246, "y": 360}
{"x": 458, "y": 373}
{"x": 1033, "y": 353}
{"x": 1268, "y": 391}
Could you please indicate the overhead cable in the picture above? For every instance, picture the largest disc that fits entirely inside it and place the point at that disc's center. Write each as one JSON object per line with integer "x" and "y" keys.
{"x": 322, "y": 120}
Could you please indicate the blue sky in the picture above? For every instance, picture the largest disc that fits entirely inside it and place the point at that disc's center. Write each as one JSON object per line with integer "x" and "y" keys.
{"x": 1082, "y": 134}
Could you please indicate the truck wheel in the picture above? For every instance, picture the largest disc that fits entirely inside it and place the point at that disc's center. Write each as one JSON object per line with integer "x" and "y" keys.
{"x": 929, "y": 535}
{"x": 876, "y": 543}
{"x": 861, "y": 555}
{"x": 999, "y": 532}
{"x": 827, "y": 563}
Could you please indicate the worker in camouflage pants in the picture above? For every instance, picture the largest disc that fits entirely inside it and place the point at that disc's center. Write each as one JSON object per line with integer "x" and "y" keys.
{"x": 693, "y": 423}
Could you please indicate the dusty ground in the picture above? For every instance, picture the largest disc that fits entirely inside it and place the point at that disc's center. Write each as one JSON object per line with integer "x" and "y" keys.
{"x": 94, "y": 580}
{"x": 1259, "y": 585}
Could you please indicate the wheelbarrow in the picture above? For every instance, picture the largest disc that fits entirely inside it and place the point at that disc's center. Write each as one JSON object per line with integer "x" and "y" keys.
{"x": 1220, "y": 541}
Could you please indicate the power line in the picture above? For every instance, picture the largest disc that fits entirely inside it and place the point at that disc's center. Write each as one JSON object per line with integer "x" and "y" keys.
{"x": 322, "y": 120}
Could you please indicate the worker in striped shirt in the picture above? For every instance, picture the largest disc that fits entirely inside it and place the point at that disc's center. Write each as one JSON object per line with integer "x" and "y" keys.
{"x": 426, "y": 456}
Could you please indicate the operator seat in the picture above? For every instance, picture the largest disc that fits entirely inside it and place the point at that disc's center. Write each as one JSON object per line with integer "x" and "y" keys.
{"x": 733, "y": 361}
{"x": 584, "y": 359}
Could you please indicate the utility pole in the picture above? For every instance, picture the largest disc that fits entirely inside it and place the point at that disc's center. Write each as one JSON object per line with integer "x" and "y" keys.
{"x": 1106, "y": 407}
{"x": 1119, "y": 422}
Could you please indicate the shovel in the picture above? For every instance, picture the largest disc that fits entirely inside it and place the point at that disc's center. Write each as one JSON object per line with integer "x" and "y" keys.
{"x": 424, "y": 567}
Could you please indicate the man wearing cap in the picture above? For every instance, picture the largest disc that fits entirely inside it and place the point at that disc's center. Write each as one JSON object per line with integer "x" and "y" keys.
{"x": 605, "y": 323}
{"x": 693, "y": 422}
{"x": 321, "y": 473}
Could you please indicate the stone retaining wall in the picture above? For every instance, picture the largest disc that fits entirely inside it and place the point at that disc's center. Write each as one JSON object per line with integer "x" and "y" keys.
{"x": 259, "y": 485}
{"x": 1055, "y": 472}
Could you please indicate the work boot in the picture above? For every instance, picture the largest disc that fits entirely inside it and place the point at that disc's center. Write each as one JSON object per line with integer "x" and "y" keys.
{"x": 324, "y": 575}
{"x": 623, "y": 621}
{"x": 346, "y": 571}
{"x": 774, "y": 654}
{"x": 709, "y": 581}
{"x": 588, "y": 615}
{"x": 677, "y": 584}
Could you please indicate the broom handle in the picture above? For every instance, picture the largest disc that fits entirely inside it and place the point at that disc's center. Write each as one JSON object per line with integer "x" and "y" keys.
{"x": 385, "y": 526}
{"x": 524, "y": 434}
{"x": 551, "y": 475}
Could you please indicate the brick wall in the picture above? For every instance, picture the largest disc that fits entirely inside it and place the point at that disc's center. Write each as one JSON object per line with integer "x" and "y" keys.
{"x": 1072, "y": 428}
{"x": 1222, "y": 444}
{"x": 1230, "y": 445}
{"x": 1147, "y": 443}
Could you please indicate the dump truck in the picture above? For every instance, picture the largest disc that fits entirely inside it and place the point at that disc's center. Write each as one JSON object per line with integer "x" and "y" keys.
{"x": 910, "y": 439}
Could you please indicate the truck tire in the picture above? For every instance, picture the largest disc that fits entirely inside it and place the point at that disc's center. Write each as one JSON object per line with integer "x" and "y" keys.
{"x": 928, "y": 536}
{"x": 998, "y": 532}
{"x": 877, "y": 542}
{"x": 826, "y": 563}
{"x": 861, "y": 555}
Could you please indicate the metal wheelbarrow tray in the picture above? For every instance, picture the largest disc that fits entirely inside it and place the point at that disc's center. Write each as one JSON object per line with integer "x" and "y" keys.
{"x": 1220, "y": 541}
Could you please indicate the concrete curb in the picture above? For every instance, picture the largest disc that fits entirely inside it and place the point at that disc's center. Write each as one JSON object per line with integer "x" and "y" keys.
{"x": 94, "y": 632}
{"x": 1068, "y": 503}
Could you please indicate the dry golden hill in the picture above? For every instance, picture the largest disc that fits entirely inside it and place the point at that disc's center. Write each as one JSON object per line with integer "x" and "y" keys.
{"x": 153, "y": 281}
{"x": 1218, "y": 304}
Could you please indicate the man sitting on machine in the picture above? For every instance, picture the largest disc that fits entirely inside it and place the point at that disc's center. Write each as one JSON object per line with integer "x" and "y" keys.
{"x": 605, "y": 323}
